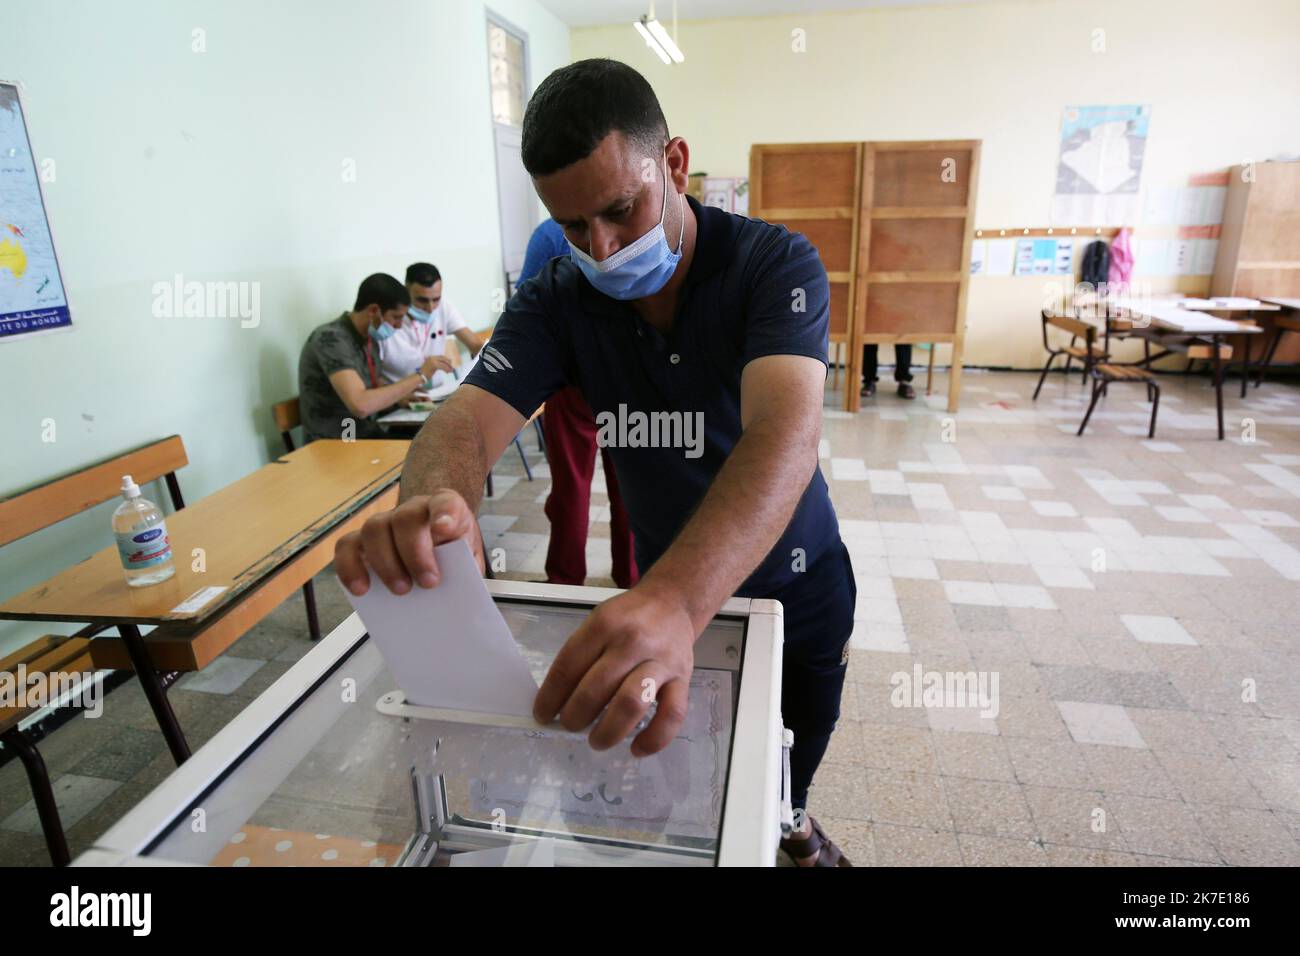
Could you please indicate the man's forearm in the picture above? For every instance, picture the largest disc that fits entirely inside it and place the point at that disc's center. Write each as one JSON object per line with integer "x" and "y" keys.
{"x": 762, "y": 480}
{"x": 448, "y": 452}
{"x": 375, "y": 400}
{"x": 470, "y": 339}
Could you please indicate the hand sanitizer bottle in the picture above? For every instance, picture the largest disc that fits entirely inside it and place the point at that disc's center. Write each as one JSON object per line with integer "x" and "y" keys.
{"x": 142, "y": 541}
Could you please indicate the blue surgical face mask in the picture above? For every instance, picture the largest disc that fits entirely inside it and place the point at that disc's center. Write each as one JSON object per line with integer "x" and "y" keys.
{"x": 419, "y": 315}
{"x": 638, "y": 270}
{"x": 381, "y": 331}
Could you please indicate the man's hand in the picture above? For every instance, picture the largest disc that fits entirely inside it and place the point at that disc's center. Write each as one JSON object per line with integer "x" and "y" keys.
{"x": 631, "y": 650}
{"x": 436, "y": 363}
{"x": 399, "y": 544}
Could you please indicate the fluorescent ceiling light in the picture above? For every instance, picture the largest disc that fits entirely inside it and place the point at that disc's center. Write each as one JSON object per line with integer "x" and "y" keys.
{"x": 651, "y": 42}
{"x": 657, "y": 30}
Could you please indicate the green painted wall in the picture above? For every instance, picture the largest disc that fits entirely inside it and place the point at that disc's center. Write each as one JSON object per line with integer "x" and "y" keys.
{"x": 228, "y": 165}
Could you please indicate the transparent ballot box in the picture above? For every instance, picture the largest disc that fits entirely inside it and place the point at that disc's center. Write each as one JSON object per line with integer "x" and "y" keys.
{"x": 330, "y": 766}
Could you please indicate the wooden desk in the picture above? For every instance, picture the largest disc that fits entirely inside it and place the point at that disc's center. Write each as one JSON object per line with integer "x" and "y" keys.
{"x": 1287, "y": 321}
{"x": 1241, "y": 309}
{"x": 1228, "y": 303}
{"x": 1186, "y": 325}
{"x": 261, "y": 538}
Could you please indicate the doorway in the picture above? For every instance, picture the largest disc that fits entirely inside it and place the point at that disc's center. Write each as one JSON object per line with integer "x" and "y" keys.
{"x": 516, "y": 201}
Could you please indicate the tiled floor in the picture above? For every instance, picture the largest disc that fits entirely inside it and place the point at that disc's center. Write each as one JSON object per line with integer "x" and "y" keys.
{"x": 1068, "y": 651}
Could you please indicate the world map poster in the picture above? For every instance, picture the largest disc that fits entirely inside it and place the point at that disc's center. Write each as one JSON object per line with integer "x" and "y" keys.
{"x": 32, "y": 297}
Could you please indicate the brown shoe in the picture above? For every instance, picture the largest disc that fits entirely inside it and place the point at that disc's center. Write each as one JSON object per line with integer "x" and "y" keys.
{"x": 905, "y": 390}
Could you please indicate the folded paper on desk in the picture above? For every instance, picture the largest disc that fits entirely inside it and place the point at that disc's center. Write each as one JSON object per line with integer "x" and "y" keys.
{"x": 448, "y": 646}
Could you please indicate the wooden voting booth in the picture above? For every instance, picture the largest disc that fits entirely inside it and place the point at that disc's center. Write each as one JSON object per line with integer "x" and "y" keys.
{"x": 893, "y": 224}
{"x": 1259, "y": 248}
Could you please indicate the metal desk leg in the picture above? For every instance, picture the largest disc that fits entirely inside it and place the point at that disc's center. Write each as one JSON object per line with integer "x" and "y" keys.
{"x": 1216, "y": 341}
{"x": 1278, "y": 332}
{"x": 1245, "y": 363}
{"x": 42, "y": 793}
{"x": 155, "y": 692}
{"x": 313, "y": 620}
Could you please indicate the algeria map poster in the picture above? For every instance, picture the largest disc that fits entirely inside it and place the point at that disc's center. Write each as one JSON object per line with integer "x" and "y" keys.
{"x": 1100, "y": 167}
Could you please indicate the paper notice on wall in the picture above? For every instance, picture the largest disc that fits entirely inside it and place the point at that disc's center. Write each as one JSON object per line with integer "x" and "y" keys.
{"x": 728, "y": 193}
{"x": 977, "y": 253}
{"x": 1035, "y": 256}
{"x": 1152, "y": 257}
{"x": 1160, "y": 206}
{"x": 1201, "y": 205}
{"x": 1181, "y": 257}
{"x": 1119, "y": 209}
{"x": 1064, "y": 257}
{"x": 1077, "y": 209}
{"x": 1215, "y": 198}
{"x": 1001, "y": 257}
{"x": 1189, "y": 207}
{"x": 1203, "y": 256}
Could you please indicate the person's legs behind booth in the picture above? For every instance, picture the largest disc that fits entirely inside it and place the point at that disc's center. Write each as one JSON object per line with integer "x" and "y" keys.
{"x": 902, "y": 370}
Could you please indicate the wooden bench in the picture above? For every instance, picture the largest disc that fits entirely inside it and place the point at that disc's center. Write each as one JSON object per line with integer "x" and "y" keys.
{"x": 64, "y": 658}
{"x": 60, "y": 661}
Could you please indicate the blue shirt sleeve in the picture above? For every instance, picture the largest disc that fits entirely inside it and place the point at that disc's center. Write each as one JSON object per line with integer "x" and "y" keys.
{"x": 787, "y": 311}
{"x": 525, "y": 361}
{"x": 546, "y": 242}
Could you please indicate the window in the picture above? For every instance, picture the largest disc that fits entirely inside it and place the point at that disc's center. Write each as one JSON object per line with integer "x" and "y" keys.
{"x": 506, "y": 70}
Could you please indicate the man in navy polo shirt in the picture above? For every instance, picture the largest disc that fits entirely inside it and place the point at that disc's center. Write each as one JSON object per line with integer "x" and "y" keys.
{"x": 699, "y": 339}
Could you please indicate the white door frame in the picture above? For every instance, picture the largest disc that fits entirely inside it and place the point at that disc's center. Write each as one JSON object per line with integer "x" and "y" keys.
{"x": 495, "y": 19}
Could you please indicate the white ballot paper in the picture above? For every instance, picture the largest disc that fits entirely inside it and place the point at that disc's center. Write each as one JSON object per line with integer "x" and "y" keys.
{"x": 448, "y": 646}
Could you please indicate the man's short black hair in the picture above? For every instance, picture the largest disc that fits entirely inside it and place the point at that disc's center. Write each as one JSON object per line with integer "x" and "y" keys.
{"x": 578, "y": 105}
{"x": 382, "y": 290}
{"x": 422, "y": 273}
